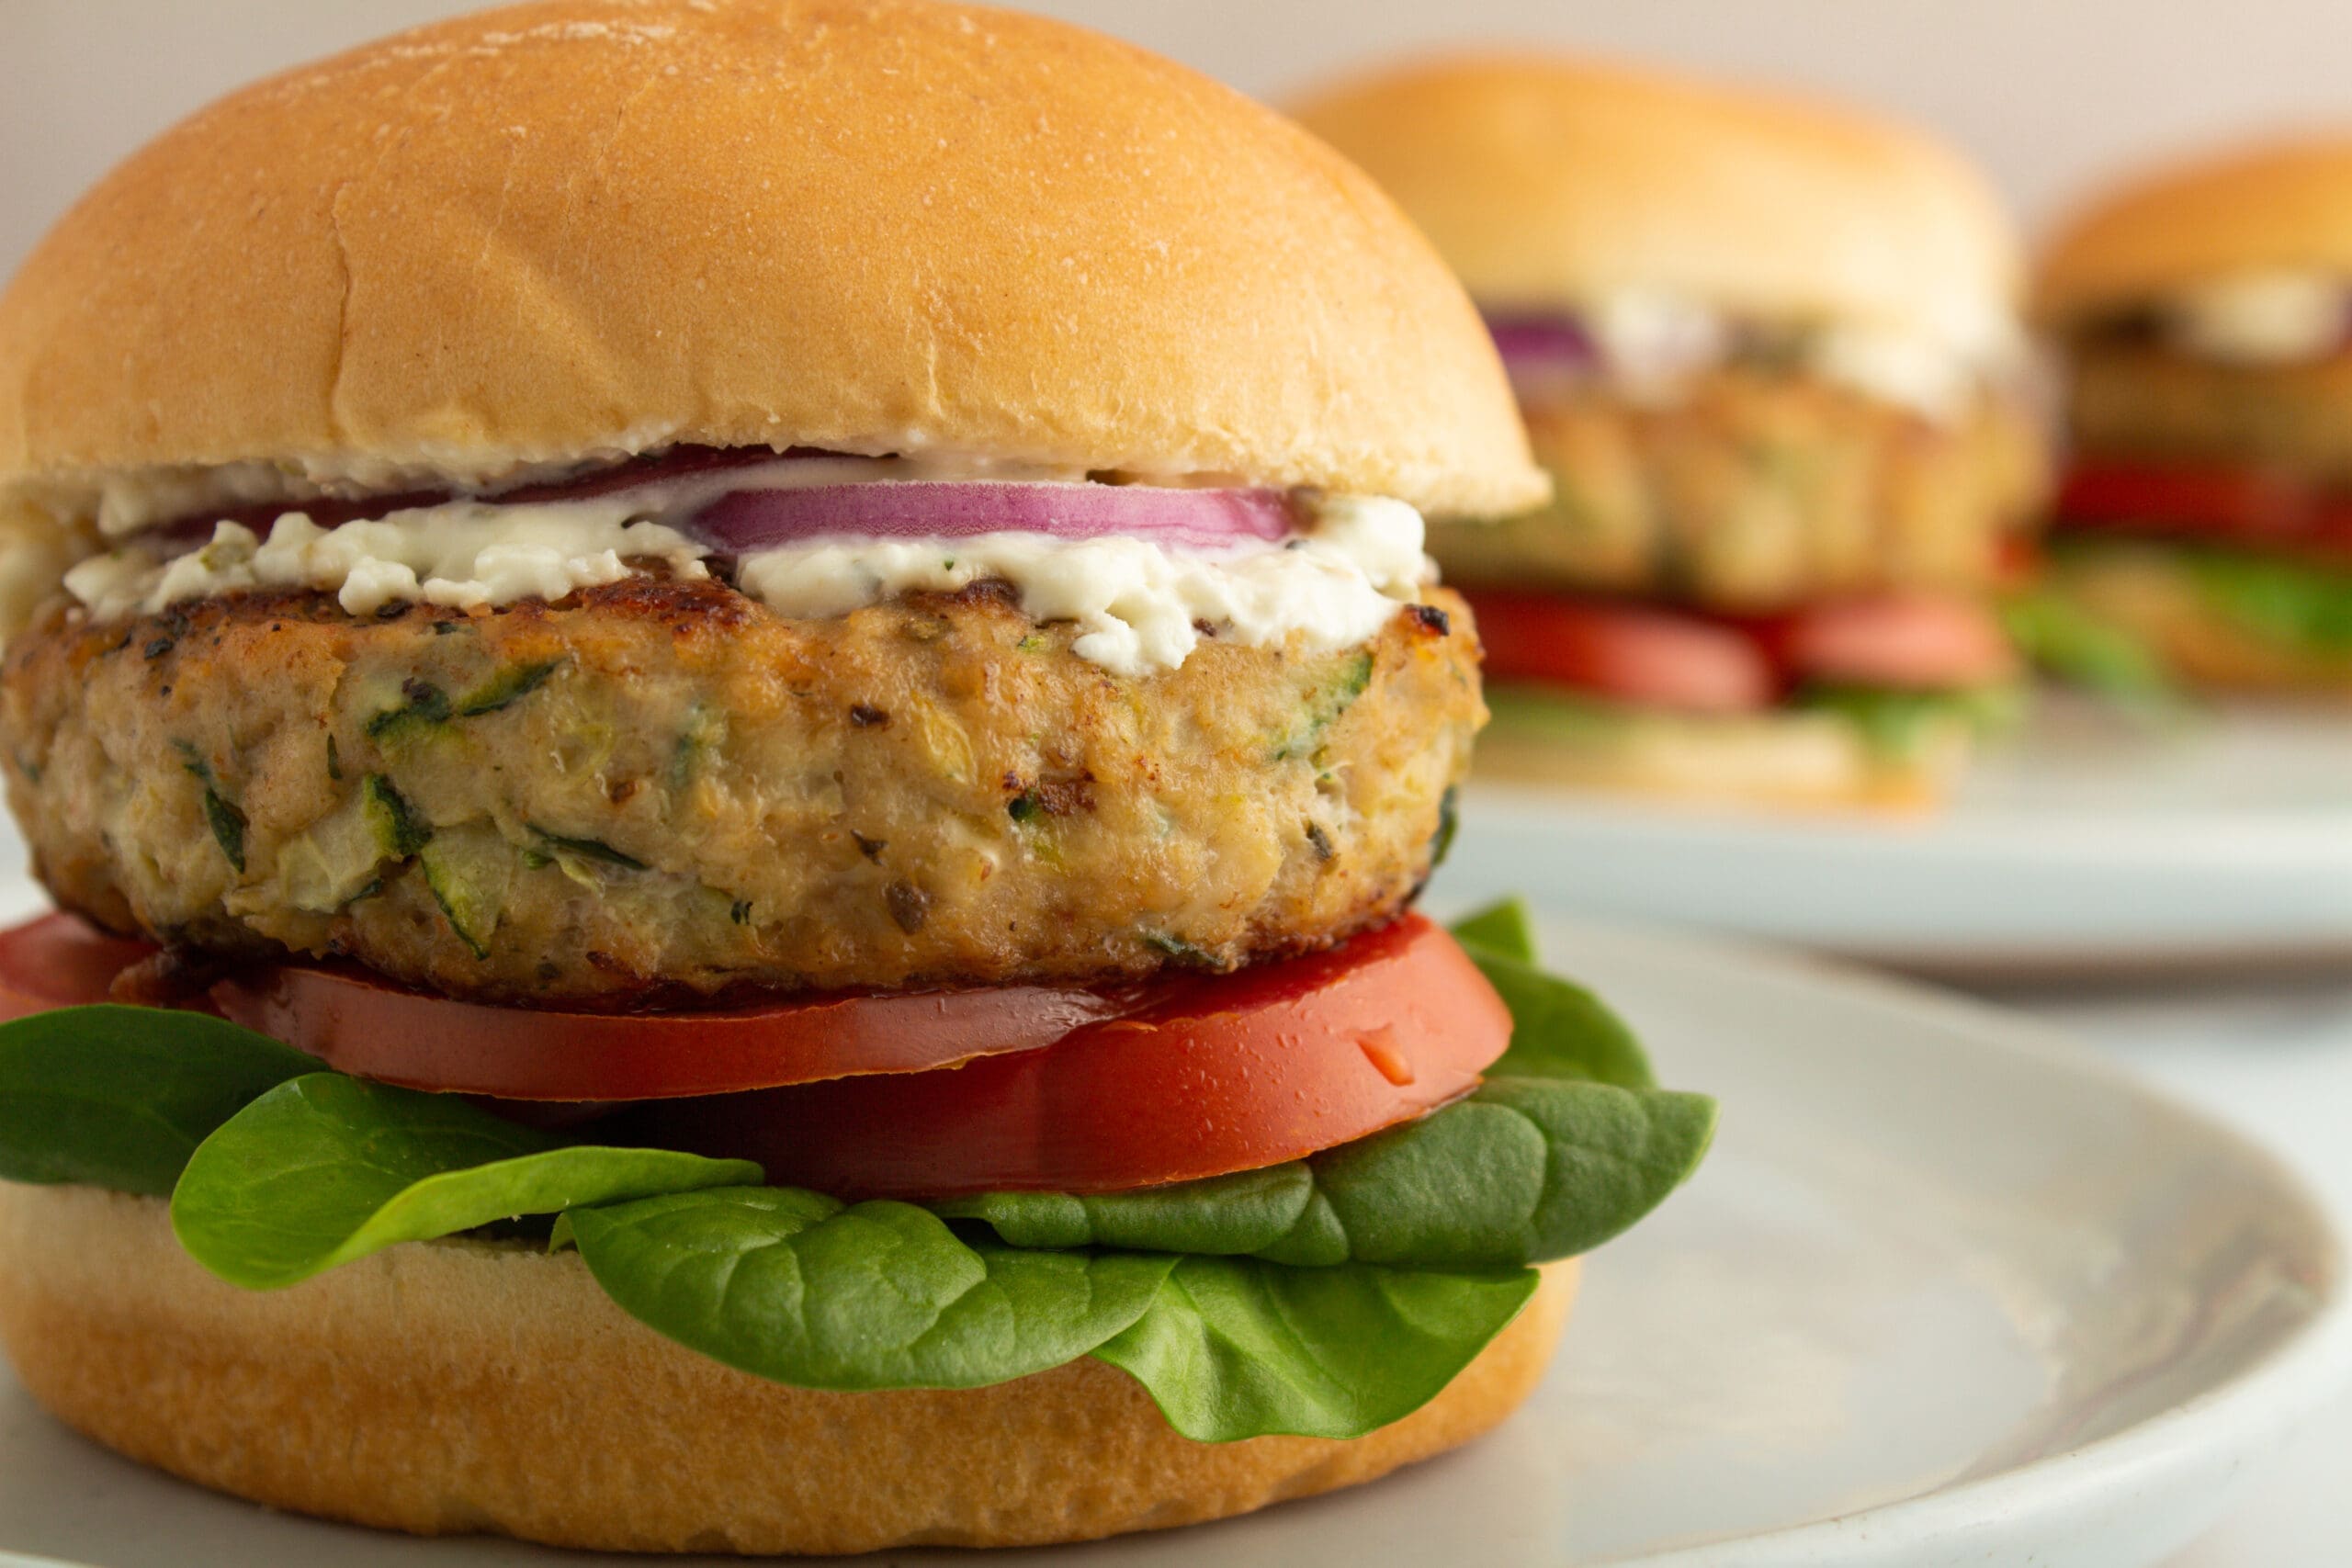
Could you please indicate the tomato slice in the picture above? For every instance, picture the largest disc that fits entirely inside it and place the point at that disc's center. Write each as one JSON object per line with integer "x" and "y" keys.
{"x": 373, "y": 1028}
{"x": 1232, "y": 1072}
{"x": 1907, "y": 641}
{"x": 2244, "y": 505}
{"x": 1656, "y": 658}
{"x": 60, "y": 961}
{"x": 910, "y": 1094}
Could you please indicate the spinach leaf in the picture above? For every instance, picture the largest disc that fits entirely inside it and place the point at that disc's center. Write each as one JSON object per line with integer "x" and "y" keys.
{"x": 1243, "y": 1213}
{"x": 325, "y": 1169}
{"x": 1559, "y": 1029}
{"x": 1900, "y": 725}
{"x": 1505, "y": 928}
{"x": 1235, "y": 1347}
{"x": 119, "y": 1097}
{"x": 1525, "y": 1171}
{"x": 790, "y": 1285}
{"x": 2301, "y": 605}
{"x": 2070, "y": 643}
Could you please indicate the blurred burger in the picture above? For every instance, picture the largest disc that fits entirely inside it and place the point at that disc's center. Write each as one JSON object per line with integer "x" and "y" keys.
{"x": 741, "y": 701}
{"x": 2206, "y": 315}
{"x": 1767, "y": 350}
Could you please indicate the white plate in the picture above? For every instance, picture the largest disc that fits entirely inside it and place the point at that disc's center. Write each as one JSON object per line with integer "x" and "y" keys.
{"x": 2081, "y": 845}
{"x": 1944, "y": 1293}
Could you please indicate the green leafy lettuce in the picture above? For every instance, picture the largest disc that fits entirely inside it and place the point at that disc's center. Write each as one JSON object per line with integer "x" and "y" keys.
{"x": 1898, "y": 725}
{"x": 794, "y": 1286}
{"x": 2069, "y": 644}
{"x": 119, "y": 1097}
{"x": 324, "y": 1169}
{"x": 2300, "y": 605}
{"x": 1328, "y": 1296}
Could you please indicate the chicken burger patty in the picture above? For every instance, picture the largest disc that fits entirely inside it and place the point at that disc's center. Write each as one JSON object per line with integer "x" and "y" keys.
{"x": 661, "y": 787}
{"x": 1756, "y": 491}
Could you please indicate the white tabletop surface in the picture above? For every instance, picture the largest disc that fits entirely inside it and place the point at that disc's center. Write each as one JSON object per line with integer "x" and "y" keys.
{"x": 2275, "y": 1058}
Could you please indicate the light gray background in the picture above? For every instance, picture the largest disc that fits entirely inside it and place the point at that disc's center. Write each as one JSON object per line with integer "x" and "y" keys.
{"x": 2051, "y": 94}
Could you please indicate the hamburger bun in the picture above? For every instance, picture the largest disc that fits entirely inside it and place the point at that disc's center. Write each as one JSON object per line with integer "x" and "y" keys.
{"x": 587, "y": 229}
{"x": 1796, "y": 760}
{"x": 454, "y": 1387}
{"x": 2281, "y": 206}
{"x": 1550, "y": 183}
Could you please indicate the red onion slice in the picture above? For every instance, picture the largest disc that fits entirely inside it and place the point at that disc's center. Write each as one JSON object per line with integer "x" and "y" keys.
{"x": 1537, "y": 342}
{"x": 949, "y": 509}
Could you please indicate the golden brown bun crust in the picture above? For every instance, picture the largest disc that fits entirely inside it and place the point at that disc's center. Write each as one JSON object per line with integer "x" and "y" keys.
{"x": 2280, "y": 206}
{"x": 1800, "y": 762}
{"x": 591, "y": 226}
{"x": 1550, "y": 182}
{"x": 450, "y": 1387}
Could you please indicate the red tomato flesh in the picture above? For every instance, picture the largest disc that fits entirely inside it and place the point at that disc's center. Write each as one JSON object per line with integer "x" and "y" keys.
{"x": 1654, "y": 657}
{"x": 60, "y": 961}
{"x": 1230, "y": 1072}
{"x": 909, "y": 1095}
{"x": 1690, "y": 663}
{"x": 2242, "y": 505}
{"x": 1907, "y": 641}
{"x": 372, "y": 1029}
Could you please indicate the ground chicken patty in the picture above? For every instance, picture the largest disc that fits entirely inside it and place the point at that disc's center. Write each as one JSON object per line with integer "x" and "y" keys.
{"x": 662, "y": 787}
{"x": 1752, "y": 490}
{"x": 2143, "y": 401}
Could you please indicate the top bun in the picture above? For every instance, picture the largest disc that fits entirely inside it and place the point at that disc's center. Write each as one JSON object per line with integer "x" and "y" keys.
{"x": 1550, "y": 183}
{"x": 591, "y": 228}
{"x": 2281, "y": 206}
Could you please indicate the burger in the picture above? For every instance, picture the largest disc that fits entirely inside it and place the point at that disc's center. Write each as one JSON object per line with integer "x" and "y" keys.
{"x": 1767, "y": 350}
{"x": 2205, "y": 313}
{"x": 735, "y": 708}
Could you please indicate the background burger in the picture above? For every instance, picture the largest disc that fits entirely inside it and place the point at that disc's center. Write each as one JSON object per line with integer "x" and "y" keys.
{"x": 2205, "y": 312}
{"x": 759, "y": 680}
{"x": 1766, "y": 350}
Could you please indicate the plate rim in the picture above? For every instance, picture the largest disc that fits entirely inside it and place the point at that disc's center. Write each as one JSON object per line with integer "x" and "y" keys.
{"x": 2275, "y": 893}
{"x": 2265, "y": 1402}
{"x": 2083, "y": 837}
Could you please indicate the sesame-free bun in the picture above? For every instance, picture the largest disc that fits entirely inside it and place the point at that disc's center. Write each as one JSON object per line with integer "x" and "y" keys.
{"x": 590, "y": 228}
{"x": 1779, "y": 759}
{"x": 1550, "y": 183}
{"x": 450, "y": 1387}
{"x": 2281, "y": 206}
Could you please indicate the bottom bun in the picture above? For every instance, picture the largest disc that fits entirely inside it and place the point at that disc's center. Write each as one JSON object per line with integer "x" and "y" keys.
{"x": 1789, "y": 758}
{"x": 460, "y": 1386}
{"x": 2151, "y": 592}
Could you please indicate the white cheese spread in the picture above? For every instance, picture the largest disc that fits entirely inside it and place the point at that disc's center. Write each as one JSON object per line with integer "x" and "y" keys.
{"x": 1653, "y": 342}
{"x": 2261, "y": 318}
{"x": 1138, "y": 604}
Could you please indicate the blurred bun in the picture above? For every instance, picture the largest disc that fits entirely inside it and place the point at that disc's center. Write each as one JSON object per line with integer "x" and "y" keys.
{"x": 1798, "y": 759}
{"x": 1549, "y": 183}
{"x": 2284, "y": 207}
